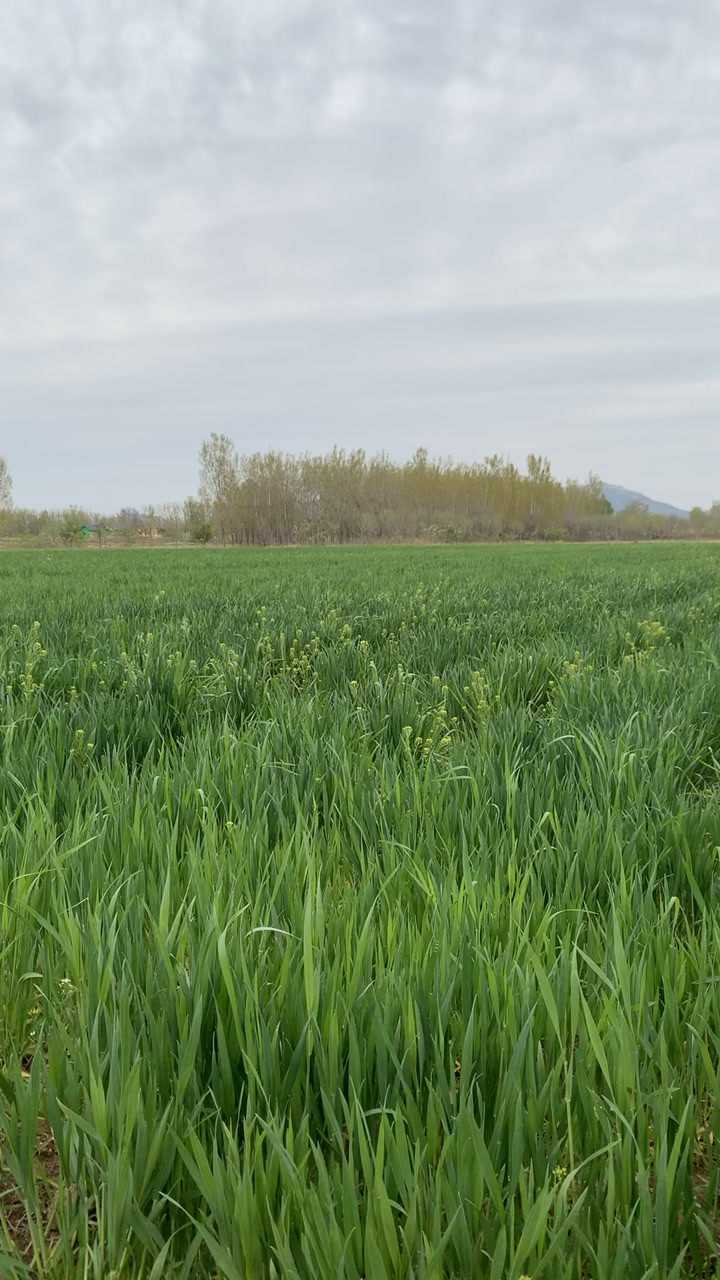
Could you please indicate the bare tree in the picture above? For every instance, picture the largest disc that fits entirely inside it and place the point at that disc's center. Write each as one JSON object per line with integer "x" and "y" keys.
{"x": 171, "y": 516}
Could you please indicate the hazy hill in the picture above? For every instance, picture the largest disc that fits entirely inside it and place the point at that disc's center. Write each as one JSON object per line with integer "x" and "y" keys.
{"x": 620, "y": 498}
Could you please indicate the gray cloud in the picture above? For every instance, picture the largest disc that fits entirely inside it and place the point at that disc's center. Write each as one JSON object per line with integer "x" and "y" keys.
{"x": 478, "y": 226}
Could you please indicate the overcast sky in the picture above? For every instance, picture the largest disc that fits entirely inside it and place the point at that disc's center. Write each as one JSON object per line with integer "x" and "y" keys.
{"x": 475, "y": 226}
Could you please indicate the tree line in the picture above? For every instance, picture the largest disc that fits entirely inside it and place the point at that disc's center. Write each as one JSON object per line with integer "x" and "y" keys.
{"x": 348, "y": 496}
{"x": 275, "y": 498}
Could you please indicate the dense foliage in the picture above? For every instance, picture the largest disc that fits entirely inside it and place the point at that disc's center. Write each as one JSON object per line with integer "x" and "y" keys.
{"x": 359, "y": 913}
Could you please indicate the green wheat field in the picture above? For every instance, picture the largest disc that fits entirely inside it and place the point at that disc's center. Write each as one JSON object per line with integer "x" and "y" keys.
{"x": 359, "y": 913}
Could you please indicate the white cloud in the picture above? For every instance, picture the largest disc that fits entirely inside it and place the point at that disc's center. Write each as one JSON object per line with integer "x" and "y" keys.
{"x": 263, "y": 174}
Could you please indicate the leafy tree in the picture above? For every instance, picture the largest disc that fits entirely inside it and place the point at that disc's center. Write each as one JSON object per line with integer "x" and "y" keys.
{"x": 71, "y": 529}
{"x": 203, "y": 532}
{"x": 219, "y": 479}
{"x": 196, "y": 519}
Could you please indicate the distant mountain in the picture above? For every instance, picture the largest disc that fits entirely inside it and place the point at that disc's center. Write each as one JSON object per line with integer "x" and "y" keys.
{"x": 620, "y": 499}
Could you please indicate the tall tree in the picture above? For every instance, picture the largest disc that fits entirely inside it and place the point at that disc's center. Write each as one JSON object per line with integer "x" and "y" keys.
{"x": 219, "y": 479}
{"x": 5, "y": 485}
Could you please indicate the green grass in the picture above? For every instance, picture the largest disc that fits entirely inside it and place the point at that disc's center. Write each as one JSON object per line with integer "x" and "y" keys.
{"x": 359, "y": 913}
